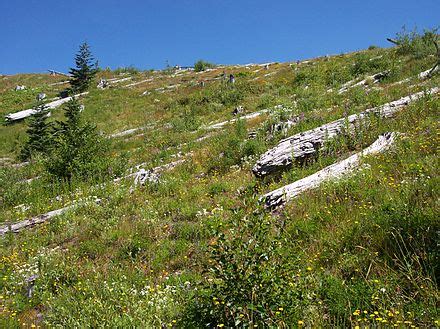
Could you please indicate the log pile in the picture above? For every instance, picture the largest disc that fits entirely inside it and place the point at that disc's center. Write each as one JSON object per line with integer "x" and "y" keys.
{"x": 338, "y": 170}
{"x": 306, "y": 144}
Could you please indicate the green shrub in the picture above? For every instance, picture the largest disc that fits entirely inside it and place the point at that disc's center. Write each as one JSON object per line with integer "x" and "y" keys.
{"x": 202, "y": 65}
{"x": 415, "y": 44}
{"x": 78, "y": 150}
{"x": 39, "y": 134}
{"x": 127, "y": 69}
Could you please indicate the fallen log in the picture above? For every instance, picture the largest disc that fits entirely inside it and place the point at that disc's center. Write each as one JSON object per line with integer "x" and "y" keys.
{"x": 128, "y": 131}
{"x": 305, "y": 144}
{"x": 338, "y": 170}
{"x": 428, "y": 73}
{"x": 245, "y": 117}
{"x": 17, "y": 227}
{"x": 375, "y": 78}
{"x": 52, "y": 105}
{"x": 138, "y": 83}
{"x": 53, "y": 72}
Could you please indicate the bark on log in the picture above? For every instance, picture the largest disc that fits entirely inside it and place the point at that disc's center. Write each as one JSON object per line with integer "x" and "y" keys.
{"x": 338, "y": 170}
{"x": 27, "y": 113}
{"x": 302, "y": 145}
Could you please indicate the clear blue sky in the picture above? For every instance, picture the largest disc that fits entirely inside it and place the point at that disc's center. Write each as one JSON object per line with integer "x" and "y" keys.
{"x": 45, "y": 34}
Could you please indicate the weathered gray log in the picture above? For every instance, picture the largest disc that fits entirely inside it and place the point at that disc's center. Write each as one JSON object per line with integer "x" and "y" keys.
{"x": 338, "y": 170}
{"x": 53, "y": 72}
{"x": 58, "y": 83}
{"x": 428, "y": 73}
{"x": 17, "y": 227}
{"x": 375, "y": 78}
{"x": 138, "y": 83}
{"x": 300, "y": 146}
{"x": 52, "y": 105}
{"x": 220, "y": 125}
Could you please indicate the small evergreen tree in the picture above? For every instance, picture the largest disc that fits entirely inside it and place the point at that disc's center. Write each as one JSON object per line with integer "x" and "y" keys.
{"x": 39, "y": 133}
{"x": 85, "y": 69}
{"x": 78, "y": 148}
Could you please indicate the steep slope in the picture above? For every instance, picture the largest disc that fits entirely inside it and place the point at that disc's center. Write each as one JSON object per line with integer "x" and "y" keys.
{"x": 196, "y": 247}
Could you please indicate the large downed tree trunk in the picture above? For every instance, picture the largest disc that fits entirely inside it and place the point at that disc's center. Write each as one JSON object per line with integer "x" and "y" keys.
{"x": 280, "y": 196}
{"x": 17, "y": 227}
{"x": 27, "y": 113}
{"x": 303, "y": 145}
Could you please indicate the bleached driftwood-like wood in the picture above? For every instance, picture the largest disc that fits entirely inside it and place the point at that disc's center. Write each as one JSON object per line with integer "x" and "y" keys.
{"x": 375, "y": 78}
{"x": 220, "y": 125}
{"x": 338, "y": 170}
{"x": 58, "y": 83}
{"x": 428, "y": 73}
{"x": 138, "y": 83}
{"x": 53, "y": 72}
{"x": 52, "y": 105}
{"x": 114, "y": 81}
{"x": 129, "y": 131}
{"x": 305, "y": 144}
{"x": 162, "y": 89}
{"x": 17, "y": 227}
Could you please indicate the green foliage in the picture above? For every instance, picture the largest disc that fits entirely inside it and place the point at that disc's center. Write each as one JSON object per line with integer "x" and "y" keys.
{"x": 85, "y": 70}
{"x": 78, "y": 150}
{"x": 251, "y": 280}
{"x": 127, "y": 69}
{"x": 39, "y": 134}
{"x": 415, "y": 44}
{"x": 196, "y": 249}
{"x": 364, "y": 64}
{"x": 230, "y": 149}
{"x": 202, "y": 65}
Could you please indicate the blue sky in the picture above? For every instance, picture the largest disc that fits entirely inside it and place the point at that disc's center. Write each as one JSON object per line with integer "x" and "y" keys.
{"x": 45, "y": 34}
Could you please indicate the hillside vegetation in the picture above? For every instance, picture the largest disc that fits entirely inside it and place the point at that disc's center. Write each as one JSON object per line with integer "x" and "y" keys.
{"x": 195, "y": 247}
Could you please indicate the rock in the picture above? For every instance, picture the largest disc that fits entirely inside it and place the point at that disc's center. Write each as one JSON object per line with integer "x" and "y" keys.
{"x": 22, "y": 87}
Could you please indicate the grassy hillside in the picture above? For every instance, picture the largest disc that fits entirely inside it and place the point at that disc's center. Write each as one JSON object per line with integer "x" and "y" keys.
{"x": 197, "y": 249}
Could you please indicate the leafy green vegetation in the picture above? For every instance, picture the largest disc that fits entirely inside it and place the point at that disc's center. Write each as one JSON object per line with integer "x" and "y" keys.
{"x": 196, "y": 248}
{"x": 202, "y": 65}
